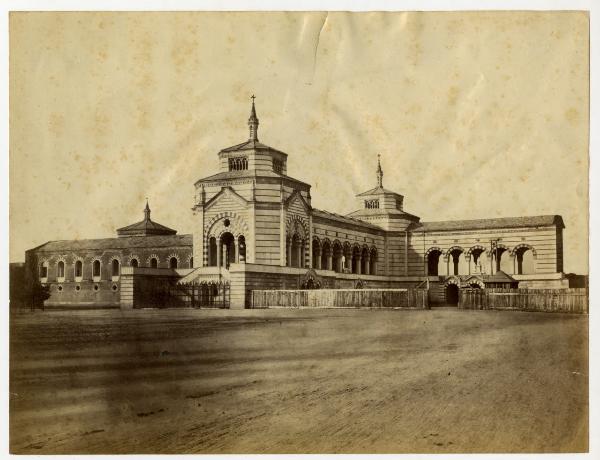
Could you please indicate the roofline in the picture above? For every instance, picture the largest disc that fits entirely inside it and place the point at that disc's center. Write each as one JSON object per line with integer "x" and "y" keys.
{"x": 556, "y": 222}
{"x": 255, "y": 176}
{"x": 384, "y": 192}
{"x": 346, "y": 219}
{"x": 183, "y": 235}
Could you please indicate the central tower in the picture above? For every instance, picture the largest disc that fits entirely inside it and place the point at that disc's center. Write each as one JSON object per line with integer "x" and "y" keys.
{"x": 246, "y": 212}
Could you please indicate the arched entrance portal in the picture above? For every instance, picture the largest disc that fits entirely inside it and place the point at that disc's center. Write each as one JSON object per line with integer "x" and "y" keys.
{"x": 228, "y": 249}
{"x": 452, "y": 294}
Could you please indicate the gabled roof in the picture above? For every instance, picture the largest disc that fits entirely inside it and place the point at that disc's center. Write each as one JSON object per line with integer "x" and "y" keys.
{"x": 128, "y": 242}
{"x": 296, "y": 194}
{"x": 500, "y": 222}
{"x": 378, "y": 191}
{"x": 251, "y": 145}
{"x": 226, "y": 191}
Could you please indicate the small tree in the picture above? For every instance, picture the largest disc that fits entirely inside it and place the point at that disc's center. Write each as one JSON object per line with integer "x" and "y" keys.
{"x": 33, "y": 294}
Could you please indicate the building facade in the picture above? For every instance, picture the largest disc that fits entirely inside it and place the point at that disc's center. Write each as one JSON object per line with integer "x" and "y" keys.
{"x": 255, "y": 228}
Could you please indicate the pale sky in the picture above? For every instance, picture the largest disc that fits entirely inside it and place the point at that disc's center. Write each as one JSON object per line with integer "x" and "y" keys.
{"x": 475, "y": 114}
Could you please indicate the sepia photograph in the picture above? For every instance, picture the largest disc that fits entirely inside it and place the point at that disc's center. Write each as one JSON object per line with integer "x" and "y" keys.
{"x": 298, "y": 232}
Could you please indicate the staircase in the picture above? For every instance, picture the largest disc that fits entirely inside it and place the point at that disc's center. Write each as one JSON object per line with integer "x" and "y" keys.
{"x": 437, "y": 292}
{"x": 206, "y": 275}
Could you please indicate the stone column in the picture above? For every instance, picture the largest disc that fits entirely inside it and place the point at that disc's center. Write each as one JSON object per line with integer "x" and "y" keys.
{"x": 299, "y": 253}
{"x": 219, "y": 254}
{"x": 359, "y": 264}
{"x": 368, "y": 265}
{"x": 237, "y": 250}
{"x": 318, "y": 258}
{"x": 512, "y": 260}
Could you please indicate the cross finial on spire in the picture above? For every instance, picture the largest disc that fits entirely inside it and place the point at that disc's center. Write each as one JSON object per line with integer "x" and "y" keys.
{"x": 253, "y": 121}
{"x": 379, "y": 171}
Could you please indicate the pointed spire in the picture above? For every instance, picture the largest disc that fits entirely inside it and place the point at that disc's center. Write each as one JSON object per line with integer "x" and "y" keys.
{"x": 147, "y": 211}
{"x": 253, "y": 122}
{"x": 379, "y": 172}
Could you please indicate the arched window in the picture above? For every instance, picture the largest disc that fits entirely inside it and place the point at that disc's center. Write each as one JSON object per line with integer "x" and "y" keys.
{"x": 115, "y": 267}
{"x": 212, "y": 252}
{"x": 337, "y": 257}
{"x": 238, "y": 163}
{"x": 373, "y": 261}
{"x": 44, "y": 270}
{"x": 78, "y": 269}
{"x": 153, "y": 262}
{"x": 60, "y": 270}
{"x": 134, "y": 263}
{"x": 525, "y": 263}
{"x": 242, "y": 248}
{"x": 433, "y": 262}
{"x": 372, "y": 204}
{"x": 96, "y": 269}
{"x": 278, "y": 166}
{"x": 191, "y": 262}
{"x": 173, "y": 262}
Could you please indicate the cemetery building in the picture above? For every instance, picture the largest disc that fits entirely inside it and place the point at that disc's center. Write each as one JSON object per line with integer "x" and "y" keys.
{"x": 255, "y": 228}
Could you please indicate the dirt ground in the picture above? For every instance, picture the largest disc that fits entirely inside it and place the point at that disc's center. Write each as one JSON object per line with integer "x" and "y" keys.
{"x": 288, "y": 381}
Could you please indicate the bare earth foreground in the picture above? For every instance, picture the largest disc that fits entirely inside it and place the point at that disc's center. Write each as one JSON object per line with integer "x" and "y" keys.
{"x": 272, "y": 381}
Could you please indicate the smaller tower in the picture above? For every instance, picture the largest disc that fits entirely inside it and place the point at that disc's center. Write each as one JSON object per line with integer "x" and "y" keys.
{"x": 147, "y": 211}
{"x": 379, "y": 172}
{"x": 253, "y": 122}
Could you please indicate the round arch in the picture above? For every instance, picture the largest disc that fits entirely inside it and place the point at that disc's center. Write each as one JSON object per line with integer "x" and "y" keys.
{"x": 456, "y": 260}
{"x": 475, "y": 248}
{"x": 525, "y": 246}
{"x": 237, "y": 224}
{"x": 297, "y": 225}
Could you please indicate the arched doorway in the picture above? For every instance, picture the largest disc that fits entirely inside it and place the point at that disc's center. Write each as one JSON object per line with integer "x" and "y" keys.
{"x": 373, "y": 261}
{"x": 337, "y": 257}
{"x": 433, "y": 261}
{"x": 212, "y": 252}
{"x": 228, "y": 249}
{"x": 452, "y": 294}
{"x": 457, "y": 262}
{"x": 524, "y": 261}
{"x": 326, "y": 256}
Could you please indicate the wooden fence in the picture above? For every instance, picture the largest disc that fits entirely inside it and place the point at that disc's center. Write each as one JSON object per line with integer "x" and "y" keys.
{"x": 549, "y": 300}
{"x": 341, "y": 298}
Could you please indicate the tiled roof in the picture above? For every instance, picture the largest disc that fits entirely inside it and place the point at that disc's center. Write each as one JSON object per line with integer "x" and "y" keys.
{"x": 249, "y": 173}
{"x": 251, "y": 145}
{"x": 385, "y": 212}
{"x": 127, "y": 242}
{"x": 345, "y": 219}
{"x": 378, "y": 191}
{"x": 500, "y": 222}
{"x": 146, "y": 227}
